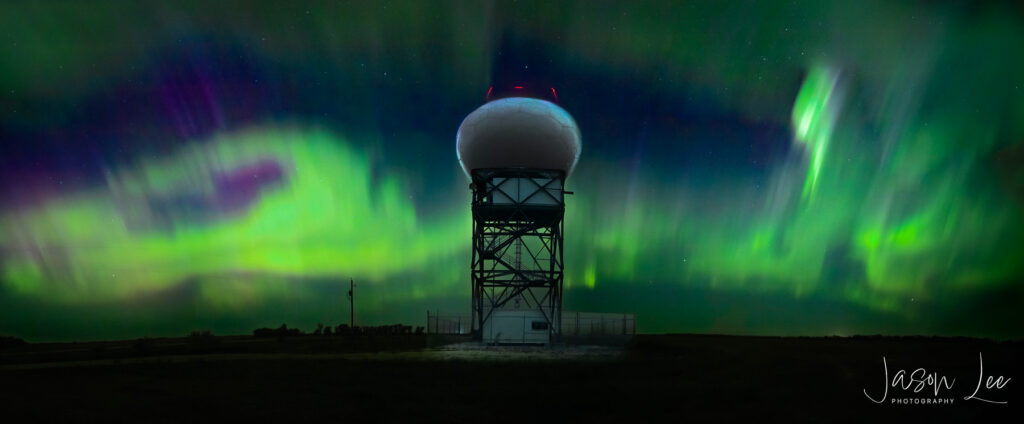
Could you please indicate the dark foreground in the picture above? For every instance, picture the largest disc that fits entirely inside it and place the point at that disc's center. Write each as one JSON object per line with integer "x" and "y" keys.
{"x": 673, "y": 377}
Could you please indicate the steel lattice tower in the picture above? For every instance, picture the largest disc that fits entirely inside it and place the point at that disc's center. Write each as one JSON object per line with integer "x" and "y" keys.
{"x": 517, "y": 243}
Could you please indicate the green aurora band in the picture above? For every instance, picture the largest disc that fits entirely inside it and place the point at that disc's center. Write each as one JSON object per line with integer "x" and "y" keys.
{"x": 327, "y": 220}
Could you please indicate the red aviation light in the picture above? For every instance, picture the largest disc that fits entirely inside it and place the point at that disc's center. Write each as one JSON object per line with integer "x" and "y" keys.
{"x": 496, "y": 92}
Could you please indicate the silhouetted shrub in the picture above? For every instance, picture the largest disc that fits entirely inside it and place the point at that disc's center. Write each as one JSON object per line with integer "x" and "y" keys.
{"x": 8, "y": 341}
{"x": 282, "y": 331}
{"x": 263, "y": 332}
{"x": 202, "y": 338}
{"x": 142, "y": 345}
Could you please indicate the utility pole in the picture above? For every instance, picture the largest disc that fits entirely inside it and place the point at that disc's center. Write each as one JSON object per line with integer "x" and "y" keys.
{"x": 351, "y": 303}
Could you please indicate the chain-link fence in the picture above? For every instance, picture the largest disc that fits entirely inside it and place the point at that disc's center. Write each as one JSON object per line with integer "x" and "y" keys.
{"x": 448, "y": 324}
{"x": 588, "y": 324}
{"x": 574, "y": 324}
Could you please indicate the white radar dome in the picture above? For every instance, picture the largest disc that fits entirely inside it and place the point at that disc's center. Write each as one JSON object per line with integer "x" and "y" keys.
{"x": 518, "y": 132}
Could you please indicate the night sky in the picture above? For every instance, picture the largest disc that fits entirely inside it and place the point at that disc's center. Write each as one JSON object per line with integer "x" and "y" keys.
{"x": 777, "y": 168}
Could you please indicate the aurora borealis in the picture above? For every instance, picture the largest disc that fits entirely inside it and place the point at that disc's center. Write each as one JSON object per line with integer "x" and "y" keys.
{"x": 808, "y": 168}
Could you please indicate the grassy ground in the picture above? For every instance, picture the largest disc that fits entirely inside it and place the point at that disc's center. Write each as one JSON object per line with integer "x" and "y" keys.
{"x": 675, "y": 377}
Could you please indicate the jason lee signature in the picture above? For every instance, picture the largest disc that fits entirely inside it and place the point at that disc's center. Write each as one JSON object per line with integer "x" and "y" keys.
{"x": 920, "y": 379}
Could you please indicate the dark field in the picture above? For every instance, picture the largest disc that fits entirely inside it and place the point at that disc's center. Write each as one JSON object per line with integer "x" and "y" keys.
{"x": 397, "y": 378}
